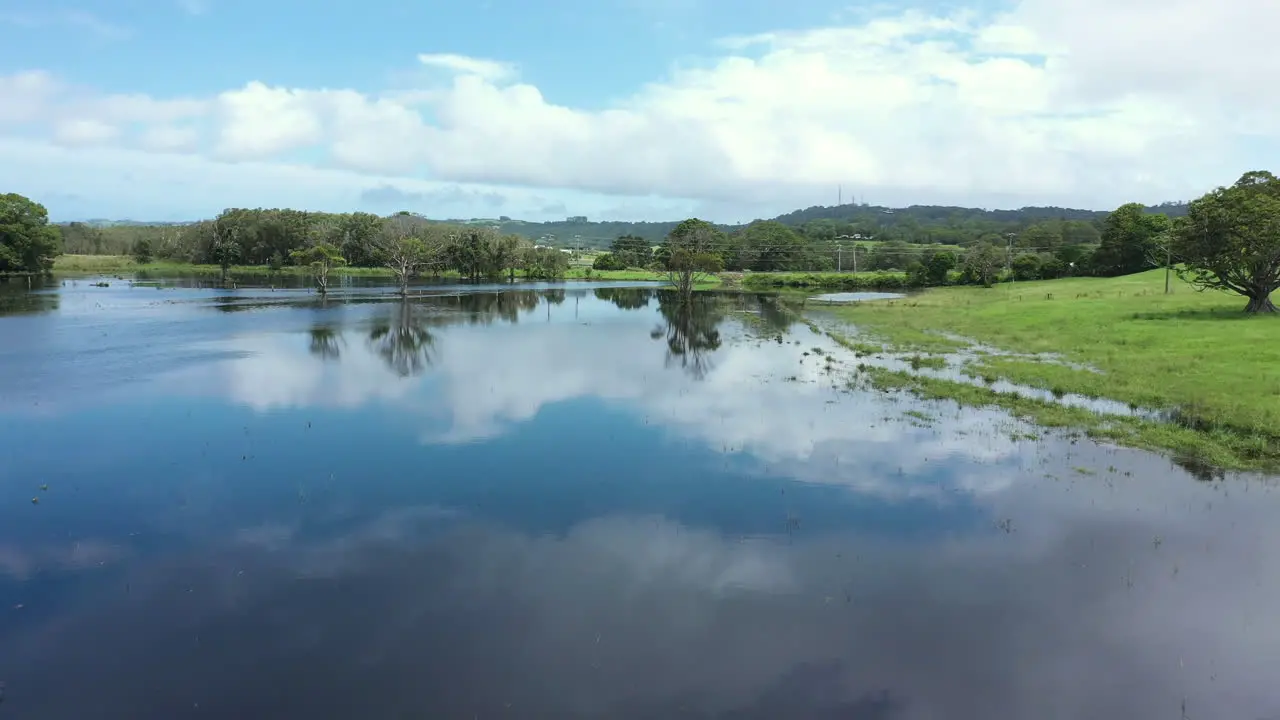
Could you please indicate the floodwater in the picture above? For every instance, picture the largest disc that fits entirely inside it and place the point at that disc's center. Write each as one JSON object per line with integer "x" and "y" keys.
{"x": 848, "y": 297}
{"x": 579, "y": 502}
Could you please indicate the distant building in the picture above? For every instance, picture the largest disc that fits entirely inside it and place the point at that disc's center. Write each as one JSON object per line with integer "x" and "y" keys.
{"x": 576, "y": 219}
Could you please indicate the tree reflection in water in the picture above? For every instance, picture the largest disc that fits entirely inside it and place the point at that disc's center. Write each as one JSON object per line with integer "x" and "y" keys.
{"x": 691, "y": 328}
{"x": 626, "y": 298}
{"x": 326, "y": 342}
{"x": 402, "y": 340}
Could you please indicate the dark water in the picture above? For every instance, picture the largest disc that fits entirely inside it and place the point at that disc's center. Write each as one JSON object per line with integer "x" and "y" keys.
{"x": 579, "y": 503}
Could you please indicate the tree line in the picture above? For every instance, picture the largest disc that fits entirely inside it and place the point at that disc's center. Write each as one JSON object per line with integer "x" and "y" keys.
{"x": 405, "y": 244}
{"x": 1228, "y": 239}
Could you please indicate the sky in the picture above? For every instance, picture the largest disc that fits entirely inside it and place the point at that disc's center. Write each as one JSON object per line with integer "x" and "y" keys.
{"x": 628, "y": 109}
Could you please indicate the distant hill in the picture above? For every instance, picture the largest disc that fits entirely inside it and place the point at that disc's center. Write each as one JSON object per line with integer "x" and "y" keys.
{"x": 869, "y": 219}
{"x": 920, "y": 223}
{"x": 98, "y": 222}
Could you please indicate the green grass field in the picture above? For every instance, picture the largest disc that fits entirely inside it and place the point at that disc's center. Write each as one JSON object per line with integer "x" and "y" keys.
{"x": 846, "y": 281}
{"x": 1194, "y": 353}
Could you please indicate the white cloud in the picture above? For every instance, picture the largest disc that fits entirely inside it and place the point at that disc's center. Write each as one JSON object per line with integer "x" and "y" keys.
{"x": 1087, "y": 103}
{"x": 106, "y": 181}
{"x": 258, "y": 121}
{"x": 170, "y": 138}
{"x": 490, "y": 70}
{"x": 84, "y": 131}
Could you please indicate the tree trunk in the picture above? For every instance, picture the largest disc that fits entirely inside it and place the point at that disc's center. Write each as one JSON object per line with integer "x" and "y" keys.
{"x": 1260, "y": 303}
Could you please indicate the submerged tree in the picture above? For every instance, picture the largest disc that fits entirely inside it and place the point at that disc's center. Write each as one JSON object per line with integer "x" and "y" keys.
{"x": 544, "y": 263}
{"x": 691, "y": 253}
{"x": 321, "y": 258}
{"x": 405, "y": 248}
{"x": 225, "y": 253}
{"x": 1230, "y": 240}
{"x": 403, "y": 341}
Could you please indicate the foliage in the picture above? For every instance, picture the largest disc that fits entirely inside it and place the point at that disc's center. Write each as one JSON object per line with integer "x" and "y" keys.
{"x": 544, "y": 263}
{"x": 321, "y": 258}
{"x": 1230, "y": 240}
{"x": 691, "y": 253}
{"x": 932, "y": 269}
{"x": 849, "y": 236}
{"x": 630, "y": 251}
{"x": 608, "y": 261}
{"x": 1027, "y": 266}
{"x": 142, "y": 252}
{"x": 1126, "y": 242}
{"x": 405, "y": 248}
{"x": 982, "y": 265}
{"x": 763, "y": 246}
{"x": 28, "y": 244}
{"x": 224, "y": 254}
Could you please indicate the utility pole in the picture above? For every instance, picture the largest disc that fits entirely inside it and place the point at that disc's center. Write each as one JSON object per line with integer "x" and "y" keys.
{"x": 1008, "y": 263}
{"x": 852, "y": 248}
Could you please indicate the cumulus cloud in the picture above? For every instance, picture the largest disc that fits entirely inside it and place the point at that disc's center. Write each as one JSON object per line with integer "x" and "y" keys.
{"x": 1047, "y": 102}
{"x": 491, "y": 70}
{"x": 84, "y": 132}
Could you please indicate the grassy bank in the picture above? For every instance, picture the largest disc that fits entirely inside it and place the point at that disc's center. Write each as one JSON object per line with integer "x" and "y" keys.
{"x": 1195, "y": 354}
{"x": 844, "y": 282}
{"x": 119, "y": 264}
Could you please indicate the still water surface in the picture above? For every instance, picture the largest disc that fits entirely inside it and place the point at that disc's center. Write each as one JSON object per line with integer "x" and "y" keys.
{"x": 579, "y": 502}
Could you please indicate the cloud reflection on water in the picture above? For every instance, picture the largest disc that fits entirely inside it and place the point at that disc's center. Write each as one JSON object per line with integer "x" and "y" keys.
{"x": 630, "y": 616}
{"x": 743, "y": 394}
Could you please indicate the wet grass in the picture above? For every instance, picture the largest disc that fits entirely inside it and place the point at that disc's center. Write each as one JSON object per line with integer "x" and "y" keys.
{"x": 1215, "y": 447}
{"x": 846, "y": 281}
{"x": 933, "y": 362}
{"x": 1193, "y": 354}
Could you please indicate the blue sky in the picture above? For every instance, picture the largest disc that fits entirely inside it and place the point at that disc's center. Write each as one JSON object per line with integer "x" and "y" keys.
{"x": 627, "y": 109}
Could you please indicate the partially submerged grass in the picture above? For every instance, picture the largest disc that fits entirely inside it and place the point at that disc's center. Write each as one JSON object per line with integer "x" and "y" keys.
{"x": 1193, "y": 354}
{"x": 1218, "y": 448}
{"x": 845, "y": 281}
{"x": 933, "y": 362}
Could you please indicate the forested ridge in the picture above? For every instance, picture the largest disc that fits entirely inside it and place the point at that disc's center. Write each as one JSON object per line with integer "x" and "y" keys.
{"x": 914, "y": 224}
